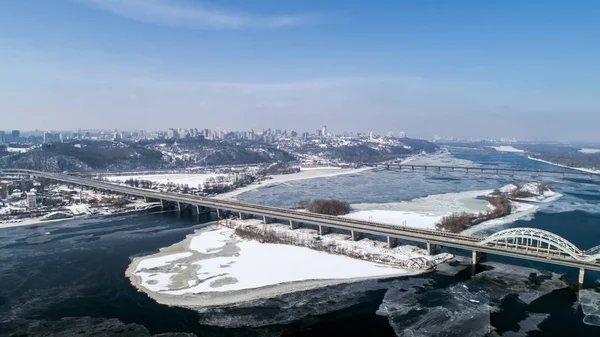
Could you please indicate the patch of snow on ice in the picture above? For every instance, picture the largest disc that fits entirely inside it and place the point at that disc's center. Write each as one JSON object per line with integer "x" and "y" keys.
{"x": 259, "y": 265}
{"x": 160, "y": 261}
{"x": 208, "y": 242}
{"x": 156, "y": 281}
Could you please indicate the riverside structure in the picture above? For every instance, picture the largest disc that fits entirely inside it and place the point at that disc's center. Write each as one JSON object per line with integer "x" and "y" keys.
{"x": 522, "y": 243}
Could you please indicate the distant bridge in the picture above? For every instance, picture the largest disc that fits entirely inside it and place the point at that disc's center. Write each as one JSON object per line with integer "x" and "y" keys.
{"x": 523, "y": 243}
{"x": 482, "y": 169}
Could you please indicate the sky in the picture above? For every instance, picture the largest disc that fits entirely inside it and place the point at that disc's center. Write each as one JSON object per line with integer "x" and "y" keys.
{"x": 494, "y": 68}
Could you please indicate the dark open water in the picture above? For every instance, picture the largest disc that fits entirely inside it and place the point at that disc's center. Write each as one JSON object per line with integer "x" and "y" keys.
{"x": 72, "y": 281}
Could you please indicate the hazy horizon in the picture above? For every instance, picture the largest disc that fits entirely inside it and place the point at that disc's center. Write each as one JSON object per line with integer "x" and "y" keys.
{"x": 462, "y": 68}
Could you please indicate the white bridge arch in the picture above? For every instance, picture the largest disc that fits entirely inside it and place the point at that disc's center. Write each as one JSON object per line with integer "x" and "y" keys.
{"x": 538, "y": 240}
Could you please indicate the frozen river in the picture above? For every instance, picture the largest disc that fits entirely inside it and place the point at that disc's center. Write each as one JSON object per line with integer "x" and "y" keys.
{"x": 66, "y": 277}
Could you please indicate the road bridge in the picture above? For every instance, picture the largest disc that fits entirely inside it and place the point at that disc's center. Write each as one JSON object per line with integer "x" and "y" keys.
{"x": 522, "y": 243}
{"x": 481, "y": 169}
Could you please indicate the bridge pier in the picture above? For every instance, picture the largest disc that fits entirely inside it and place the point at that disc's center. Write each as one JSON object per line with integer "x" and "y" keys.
{"x": 179, "y": 206}
{"x": 324, "y": 230}
{"x": 392, "y": 242}
{"x": 475, "y": 257}
{"x": 264, "y": 219}
{"x": 581, "y": 277}
{"x": 294, "y": 225}
{"x": 218, "y": 214}
{"x": 430, "y": 248}
{"x": 356, "y": 236}
{"x": 162, "y": 204}
{"x": 241, "y": 215}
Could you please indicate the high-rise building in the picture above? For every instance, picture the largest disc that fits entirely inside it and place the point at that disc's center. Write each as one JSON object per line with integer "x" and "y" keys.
{"x": 31, "y": 200}
{"x": 324, "y": 131}
{"x": 172, "y": 133}
{"x": 401, "y": 134}
{"x": 51, "y": 138}
{"x": 15, "y": 135}
{"x": 2, "y": 137}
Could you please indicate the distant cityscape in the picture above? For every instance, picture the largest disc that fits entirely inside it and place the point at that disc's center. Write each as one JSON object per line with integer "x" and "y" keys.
{"x": 268, "y": 135}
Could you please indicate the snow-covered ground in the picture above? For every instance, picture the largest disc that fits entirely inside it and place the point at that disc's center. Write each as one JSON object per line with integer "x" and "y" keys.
{"x": 589, "y": 151}
{"x": 79, "y": 209}
{"x": 215, "y": 261}
{"x": 506, "y": 148}
{"x": 572, "y": 168}
{"x": 320, "y": 168}
{"x": 19, "y": 149}
{"x": 191, "y": 179}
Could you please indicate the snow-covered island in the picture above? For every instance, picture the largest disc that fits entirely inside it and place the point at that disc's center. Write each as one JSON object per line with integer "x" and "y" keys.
{"x": 524, "y": 199}
{"x": 223, "y": 264}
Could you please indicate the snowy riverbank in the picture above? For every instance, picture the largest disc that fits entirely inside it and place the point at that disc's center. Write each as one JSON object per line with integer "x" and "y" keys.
{"x": 78, "y": 211}
{"x": 567, "y": 167}
{"x": 214, "y": 266}
{"x": 309, "y": 173}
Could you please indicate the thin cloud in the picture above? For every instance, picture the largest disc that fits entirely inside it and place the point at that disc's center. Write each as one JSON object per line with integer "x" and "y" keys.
{"x": 179, "y": 13}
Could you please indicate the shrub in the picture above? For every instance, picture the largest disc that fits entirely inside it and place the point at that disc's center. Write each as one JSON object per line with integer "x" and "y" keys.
{"x": 329, "y": 207}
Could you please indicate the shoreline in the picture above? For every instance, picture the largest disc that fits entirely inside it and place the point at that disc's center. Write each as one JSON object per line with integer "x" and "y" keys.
{"x": 565, "y": 166}
{"x": 38, "y": 220}
{"x": 283, "y": 178}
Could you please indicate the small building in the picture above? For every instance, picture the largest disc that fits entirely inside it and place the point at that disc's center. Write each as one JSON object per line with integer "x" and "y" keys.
{"x": 31, "y": 200}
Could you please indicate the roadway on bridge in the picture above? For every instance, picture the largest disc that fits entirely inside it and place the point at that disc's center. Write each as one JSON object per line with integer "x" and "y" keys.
{"x": 472, "y": 243}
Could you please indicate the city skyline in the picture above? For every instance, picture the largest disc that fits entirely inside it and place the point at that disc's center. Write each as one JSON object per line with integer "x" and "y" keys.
{"x": 464, "y": 69}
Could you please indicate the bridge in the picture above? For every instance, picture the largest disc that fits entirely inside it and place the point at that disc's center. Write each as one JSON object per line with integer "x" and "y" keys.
{"x": 481, "y": 169}
{"x": 522, "y": 243}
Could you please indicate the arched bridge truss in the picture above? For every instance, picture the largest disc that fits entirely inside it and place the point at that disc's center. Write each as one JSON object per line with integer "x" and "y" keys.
{"x": 541, "y": 242}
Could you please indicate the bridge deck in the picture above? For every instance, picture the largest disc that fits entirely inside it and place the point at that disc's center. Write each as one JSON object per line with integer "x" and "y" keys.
{"x": 483, "y": 169}
{"x": 473, "y": 243}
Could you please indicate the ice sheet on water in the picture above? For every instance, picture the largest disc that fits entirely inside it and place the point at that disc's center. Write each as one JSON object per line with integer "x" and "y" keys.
{"x": 529, "y": 284}
{"x": 527, "y": 325}
{"x": 590, "y": 305}
{"x": 417, "y": 309}
{"x": 291, "y": 307}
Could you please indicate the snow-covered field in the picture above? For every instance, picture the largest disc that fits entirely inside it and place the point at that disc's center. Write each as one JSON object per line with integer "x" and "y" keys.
{"x": 192, "y": 179}
{"x": 506, "y": 148}
{"x": 589, "y": 151}
{"x": 320, "y": 168}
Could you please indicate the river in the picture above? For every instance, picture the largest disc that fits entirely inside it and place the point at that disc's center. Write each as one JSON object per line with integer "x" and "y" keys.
{"x": 68, "y": 277}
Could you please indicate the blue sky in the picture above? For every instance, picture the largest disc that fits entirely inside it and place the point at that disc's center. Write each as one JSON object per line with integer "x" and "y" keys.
{"x": 463, "y": 68}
